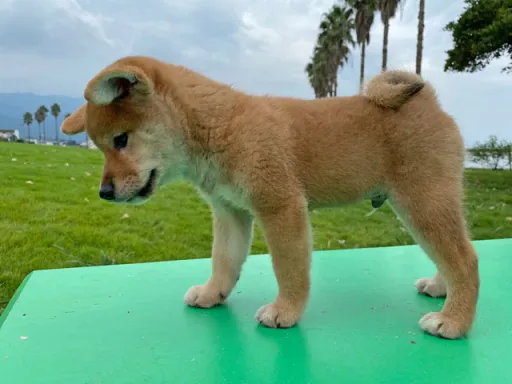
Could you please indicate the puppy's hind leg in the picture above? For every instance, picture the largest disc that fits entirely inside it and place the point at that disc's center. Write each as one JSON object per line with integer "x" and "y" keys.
{"x": 232, "y": 236}
{"x": 434, "y": 217}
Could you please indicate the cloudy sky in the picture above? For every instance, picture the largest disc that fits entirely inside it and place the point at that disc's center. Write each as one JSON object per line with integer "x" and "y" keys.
{"x": 261, "y": 46}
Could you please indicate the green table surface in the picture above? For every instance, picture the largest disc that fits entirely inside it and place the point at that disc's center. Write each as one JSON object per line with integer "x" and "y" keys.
{"x": 127, "y": 324}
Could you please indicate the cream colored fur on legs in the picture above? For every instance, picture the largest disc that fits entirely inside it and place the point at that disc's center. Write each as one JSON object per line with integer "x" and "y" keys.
{"x": 232, "y": 234}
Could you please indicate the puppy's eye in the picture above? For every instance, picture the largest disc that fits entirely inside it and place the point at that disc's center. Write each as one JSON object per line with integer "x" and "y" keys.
{"x": 120, "y": 141}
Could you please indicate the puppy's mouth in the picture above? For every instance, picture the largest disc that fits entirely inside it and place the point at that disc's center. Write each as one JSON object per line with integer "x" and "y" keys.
{"x": 148, "y": 189}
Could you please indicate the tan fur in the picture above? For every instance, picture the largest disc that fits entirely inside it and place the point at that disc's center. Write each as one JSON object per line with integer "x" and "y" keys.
{"x": 272, "y": 159}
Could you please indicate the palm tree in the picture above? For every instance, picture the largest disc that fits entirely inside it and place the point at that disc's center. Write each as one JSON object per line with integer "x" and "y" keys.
{"x": 55, "y": 113}
{"x": 336, "y": 38}
{"x": 317, "y": 72}
{"x": 419, "y": 44}
{"x": 40, "y": 116}
{"x": 331, "y": 51}
{"x": 365, "y": 14}
{"x": 27, "y": 120}
{"x": 387, "y": 9}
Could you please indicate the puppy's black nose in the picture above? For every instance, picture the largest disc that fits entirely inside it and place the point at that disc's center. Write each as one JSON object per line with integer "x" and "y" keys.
{"x": 107, "y": 191}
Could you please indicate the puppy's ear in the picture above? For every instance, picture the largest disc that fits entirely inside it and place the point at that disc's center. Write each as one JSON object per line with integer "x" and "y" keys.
{"x": 74, "y": 123}
{"x": 116, "y": 83}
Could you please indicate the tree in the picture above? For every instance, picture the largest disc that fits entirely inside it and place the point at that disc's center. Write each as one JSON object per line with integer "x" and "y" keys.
{"x": 387, "y": 9}
{"x": 27, "y": 120}
{"x": 336, "y": 39}
{"x": 419, "y": 41}
{"x": 40, "y": 116}
{"x": 331, "y": 51}
{"x": 492, "y": 153}
{"x": 317, "y": 72}
{"x": 55, "y": 108}
{"x": 365, "y": 14}
{"x": 480, "y": 34}
{"x": 337, "y": 36}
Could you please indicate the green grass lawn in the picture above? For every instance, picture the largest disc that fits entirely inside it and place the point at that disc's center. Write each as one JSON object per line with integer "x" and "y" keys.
{"x": 51, "y": 217}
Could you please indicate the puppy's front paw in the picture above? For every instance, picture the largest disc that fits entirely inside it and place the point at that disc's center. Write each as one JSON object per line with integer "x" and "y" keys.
{"x": 438, "y": 324}
{"x": 203, "y": 296}
{"x": 277, "y": 316}
{"x": 431, "y": 287}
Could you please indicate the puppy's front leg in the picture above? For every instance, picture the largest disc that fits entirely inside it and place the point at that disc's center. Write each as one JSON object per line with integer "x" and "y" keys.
{"x": 288, "y": 235}
{"x": 232, "y": 236}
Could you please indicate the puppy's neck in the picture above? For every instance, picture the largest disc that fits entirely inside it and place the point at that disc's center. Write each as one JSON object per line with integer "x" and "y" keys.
{"x": 208, "y": 108}
{"x": 205, "y": 110}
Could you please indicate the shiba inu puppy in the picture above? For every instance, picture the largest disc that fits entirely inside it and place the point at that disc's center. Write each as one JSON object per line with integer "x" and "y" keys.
{"x": 271, "y": 160}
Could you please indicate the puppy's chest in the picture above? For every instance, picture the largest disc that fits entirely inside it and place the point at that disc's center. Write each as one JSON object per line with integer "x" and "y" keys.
{"x": 234, "y": 196}
{"x": 216, "y": 192}
{"x": 219, "y": 187}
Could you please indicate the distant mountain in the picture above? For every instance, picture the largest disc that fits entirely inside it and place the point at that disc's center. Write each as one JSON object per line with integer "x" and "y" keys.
{"x": 14, "y": 105}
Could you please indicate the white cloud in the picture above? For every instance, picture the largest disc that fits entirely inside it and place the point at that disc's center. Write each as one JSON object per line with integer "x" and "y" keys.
{"x": 94, "y": 21}
{"x": 276, "y": 39}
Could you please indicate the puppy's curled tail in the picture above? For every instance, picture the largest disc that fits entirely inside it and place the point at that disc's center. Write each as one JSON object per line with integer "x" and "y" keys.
{"x": 394, "y": 88}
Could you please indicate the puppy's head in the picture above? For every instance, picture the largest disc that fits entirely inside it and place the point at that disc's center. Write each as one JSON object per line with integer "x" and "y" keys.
{"x": 138, "y": 130}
